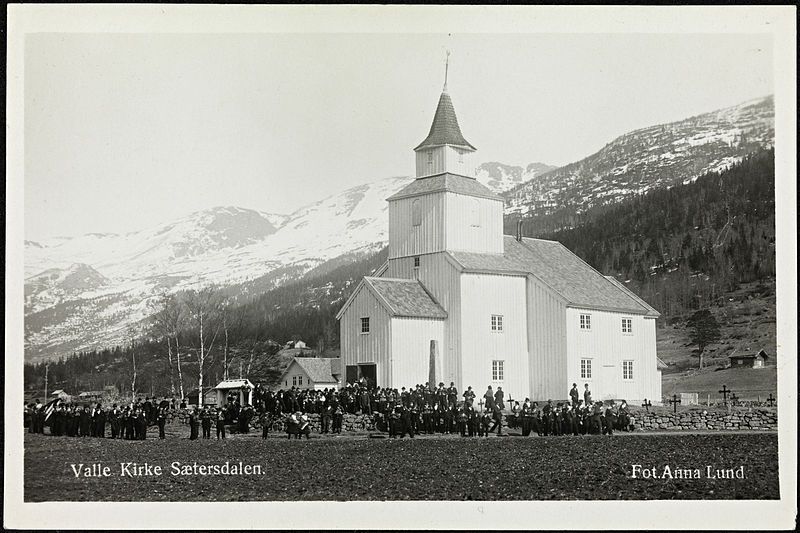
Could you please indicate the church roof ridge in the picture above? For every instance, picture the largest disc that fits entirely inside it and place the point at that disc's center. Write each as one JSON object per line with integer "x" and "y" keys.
{"x": 445, "y": 181}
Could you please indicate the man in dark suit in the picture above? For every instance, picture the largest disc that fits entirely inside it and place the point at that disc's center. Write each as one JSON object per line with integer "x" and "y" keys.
{"x": 573, "y": 394}
{"x": 194, "y": 422}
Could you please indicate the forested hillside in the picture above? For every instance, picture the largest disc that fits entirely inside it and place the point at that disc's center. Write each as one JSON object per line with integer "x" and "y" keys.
{"x": 683, "y": 247}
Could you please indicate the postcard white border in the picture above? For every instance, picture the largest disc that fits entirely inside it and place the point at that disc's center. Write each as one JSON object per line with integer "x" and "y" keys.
{"x": 153, "y": 18}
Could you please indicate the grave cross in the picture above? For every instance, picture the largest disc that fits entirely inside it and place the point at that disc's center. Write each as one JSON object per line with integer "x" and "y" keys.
{"x": 647, "y": 405}
{"x": 675, "y": 401}
{"x": 771, "y": 400}
{"x": 725, "y": 391}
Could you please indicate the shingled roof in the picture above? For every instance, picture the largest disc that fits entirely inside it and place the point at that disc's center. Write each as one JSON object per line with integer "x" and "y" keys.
{"x": 319, "y": 369}
{"x": 444, "y": 129}
{"x": 405, "y": 297}
{"x": 445, "y": 182}
{"x": 561, "y": 270}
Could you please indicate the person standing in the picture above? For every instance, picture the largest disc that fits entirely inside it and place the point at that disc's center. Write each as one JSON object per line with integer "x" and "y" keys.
{"x": 205, "y": 418}
{"x": 573, "y": 394}
{"x": 327, "y": 414}
{"x": 85, "y": 422}
{"x": 193, "y": 423}
{"x": 113, "y": 417}
{"x": 338, "y": 415}
{"x": 469, "y": 395}
{"x": 525, "y": 417}
{"x": 220, "y": 423}
{"x": 161, "y": 420}
{"x": 497, "y": 417}
{"x": 499, "y": 397}
{"x": 488, "y": 398}
{"x": 587, "y": 395}
{"x": 265, "y": 420}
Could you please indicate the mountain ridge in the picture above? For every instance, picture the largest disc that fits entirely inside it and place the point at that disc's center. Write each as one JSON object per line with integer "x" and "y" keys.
{"x": 248, "y": 251}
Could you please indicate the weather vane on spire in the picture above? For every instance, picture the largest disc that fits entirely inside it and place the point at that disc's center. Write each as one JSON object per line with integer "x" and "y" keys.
{"x": 446, "y": 65}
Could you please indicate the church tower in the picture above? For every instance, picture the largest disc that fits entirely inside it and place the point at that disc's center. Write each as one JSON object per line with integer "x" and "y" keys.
{"x": 445, "y": 208}
{"x": 445, "y": 149}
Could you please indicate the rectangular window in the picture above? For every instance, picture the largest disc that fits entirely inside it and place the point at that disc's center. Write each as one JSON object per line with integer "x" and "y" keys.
{"x": 627, "y": 370}
{"x": 627, "y": 325}
{"x": 497, "y": 370}
{"x": 299, "y": 380}
{"x": 586, "y": 321}
{"x": 416, "y": 262}
{"x": 365, "y": 325}
{"x": 497, "y": 323}
{"x": 294, "y": 381}
{"x": 586, "y": 369}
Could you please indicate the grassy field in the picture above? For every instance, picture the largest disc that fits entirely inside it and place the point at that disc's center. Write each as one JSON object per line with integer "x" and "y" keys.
{"x": 425, "y": 468}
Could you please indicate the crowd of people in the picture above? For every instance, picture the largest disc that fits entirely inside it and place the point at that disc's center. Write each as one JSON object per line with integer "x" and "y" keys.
{"x": 422, "y": 409}
{"x": 71, "y": 420}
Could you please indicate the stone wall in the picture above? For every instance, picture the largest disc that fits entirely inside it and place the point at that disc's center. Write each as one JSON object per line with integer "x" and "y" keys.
{"x": 706, "y": 419}
{"x": 657, "y": 419}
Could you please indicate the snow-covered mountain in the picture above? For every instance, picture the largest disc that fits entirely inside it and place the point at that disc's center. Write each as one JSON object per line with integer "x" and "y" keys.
{"x": 501, "y": 178}
{"x": 650, "y": 158}
{"x": 84, "y": 292}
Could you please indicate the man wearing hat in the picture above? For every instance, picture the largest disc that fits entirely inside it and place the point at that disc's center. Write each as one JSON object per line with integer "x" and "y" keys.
{"x": 525, "y": 417}
{"x": 573, "y": 394}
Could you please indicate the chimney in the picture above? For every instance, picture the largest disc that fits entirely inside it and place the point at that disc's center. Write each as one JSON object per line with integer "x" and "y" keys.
{"x": 519, "y": 230}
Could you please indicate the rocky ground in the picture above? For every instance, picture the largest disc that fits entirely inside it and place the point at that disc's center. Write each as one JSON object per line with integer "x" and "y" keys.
{"x": 357, "y": 467}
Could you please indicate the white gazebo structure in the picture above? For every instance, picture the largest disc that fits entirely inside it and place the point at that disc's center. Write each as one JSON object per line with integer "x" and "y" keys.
{"x": 242, "y": 387}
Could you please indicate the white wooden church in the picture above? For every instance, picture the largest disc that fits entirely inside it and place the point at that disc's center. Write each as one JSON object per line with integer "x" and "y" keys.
{"x": 460, "y": 302}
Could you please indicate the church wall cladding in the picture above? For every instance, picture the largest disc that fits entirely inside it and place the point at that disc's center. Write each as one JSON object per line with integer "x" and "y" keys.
{"x": 484, "y": 295}
{"x": 372, "y": 347}
{"x": 474, "y": 224}
{"x": 608, "y": 346}
{"x": 405, "y": 238}
{"x": 442, "y": 279}
{"x": 411, "y": 338}
{"x": 547, "y": 341}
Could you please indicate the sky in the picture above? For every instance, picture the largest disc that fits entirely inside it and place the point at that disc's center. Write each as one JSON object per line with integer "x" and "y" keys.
{"x": 127, "y": 131}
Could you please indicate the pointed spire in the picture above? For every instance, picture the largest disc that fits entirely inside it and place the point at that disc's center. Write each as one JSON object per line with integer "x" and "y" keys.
{"x": 446, "y": 65}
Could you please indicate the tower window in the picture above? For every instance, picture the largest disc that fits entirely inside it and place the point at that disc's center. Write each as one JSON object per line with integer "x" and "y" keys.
{"x": 416, "y": 213}
{"x": 416, "y": 262}
{"x": 460, "y": 157}
{"x": 497, "y": 323}
{"x": 430, "y": 157}
{"x": 365, "y": 325}
{"x": 586, "y": 322}
{"x": 475, "y": 213}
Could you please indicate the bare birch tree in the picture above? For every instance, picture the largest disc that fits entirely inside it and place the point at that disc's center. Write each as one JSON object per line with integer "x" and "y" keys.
{"x": 203, "y": 308}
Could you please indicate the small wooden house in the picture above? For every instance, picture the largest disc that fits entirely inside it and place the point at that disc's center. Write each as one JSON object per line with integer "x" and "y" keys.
{"x": 758, "y": 360}
{"x": 314, "y": 373}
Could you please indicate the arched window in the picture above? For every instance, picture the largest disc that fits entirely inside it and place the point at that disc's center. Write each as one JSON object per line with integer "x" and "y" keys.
{"x": 475, "y": 213}
{"x": 416, "y": 213}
